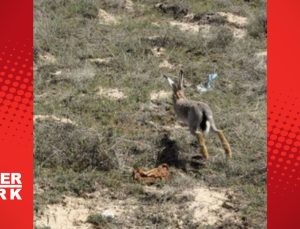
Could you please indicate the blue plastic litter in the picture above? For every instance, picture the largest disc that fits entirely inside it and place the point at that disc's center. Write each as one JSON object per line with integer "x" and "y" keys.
{"x": 208, "y": 85}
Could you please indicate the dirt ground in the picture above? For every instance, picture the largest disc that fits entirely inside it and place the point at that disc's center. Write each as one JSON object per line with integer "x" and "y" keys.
{"x": 199, "y": 205}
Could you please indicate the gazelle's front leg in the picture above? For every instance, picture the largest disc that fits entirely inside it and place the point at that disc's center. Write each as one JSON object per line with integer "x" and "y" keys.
{"x": 201, "y": 140}
{"x": 225, "y": 144}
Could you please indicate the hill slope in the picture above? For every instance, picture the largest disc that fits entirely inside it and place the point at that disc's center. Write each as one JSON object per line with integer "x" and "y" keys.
{"x": 102, "y": 107}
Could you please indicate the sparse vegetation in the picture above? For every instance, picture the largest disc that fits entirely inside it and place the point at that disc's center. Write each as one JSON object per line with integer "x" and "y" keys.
{"x": 91, "y": 157}
{"x": 258, "y": 26}
{"x": 98, "y": 220}
{"x": 70, "y": 147}
{"x": 222, "y": 37}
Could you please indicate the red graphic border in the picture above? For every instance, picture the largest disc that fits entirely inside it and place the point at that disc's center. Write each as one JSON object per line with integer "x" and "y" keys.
{"x": 283, "y": 114}
{"x": 16, "y": 108}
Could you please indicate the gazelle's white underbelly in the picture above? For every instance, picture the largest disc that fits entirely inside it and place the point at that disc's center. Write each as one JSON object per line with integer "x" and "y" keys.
{"x": 206, "y": 131}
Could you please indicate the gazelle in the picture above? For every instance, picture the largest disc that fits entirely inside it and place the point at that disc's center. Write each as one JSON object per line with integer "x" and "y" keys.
{"x": 197, "y": 115}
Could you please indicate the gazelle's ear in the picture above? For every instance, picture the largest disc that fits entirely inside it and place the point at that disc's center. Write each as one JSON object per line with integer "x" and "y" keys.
{"x": 180, "y": 82}
{"x": 171, "y": 82}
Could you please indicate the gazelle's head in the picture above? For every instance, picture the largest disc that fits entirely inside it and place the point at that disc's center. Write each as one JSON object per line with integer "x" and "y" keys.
{"x": 177, "y": 87}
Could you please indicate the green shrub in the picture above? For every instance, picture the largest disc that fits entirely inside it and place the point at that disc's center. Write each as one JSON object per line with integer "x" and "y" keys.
{"x": 98, "y": 220}
{"x": 67, "y": 146}
{"x": 84, "y": 8}
{"x": 222, "y": 37}
{"x": 257, "y": 27}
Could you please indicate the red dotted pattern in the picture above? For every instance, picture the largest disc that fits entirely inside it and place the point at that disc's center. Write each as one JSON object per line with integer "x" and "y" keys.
{"x": 16, "y": 92}
{"x": 283, "y": 144}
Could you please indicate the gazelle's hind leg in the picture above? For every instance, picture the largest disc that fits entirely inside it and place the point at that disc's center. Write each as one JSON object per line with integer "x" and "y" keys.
{"x": 201, "y": 140}
{"x": 225, "y": 143}
{"x": 194, "y": 123}
{"x": 222, "y": 137}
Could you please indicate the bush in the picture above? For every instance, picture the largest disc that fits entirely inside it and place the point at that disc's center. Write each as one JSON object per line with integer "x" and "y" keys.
{"x": 67, "y": 146}
{"x": 84, "y": 8}
{"x": 223, "y": 36}
{"x": 97, "y": 220}
{"x": 257, "y": 27}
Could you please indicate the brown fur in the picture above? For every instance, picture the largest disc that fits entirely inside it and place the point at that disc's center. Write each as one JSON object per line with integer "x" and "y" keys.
{"x": 197, "y": 115}
{"x": 153, "y": 175}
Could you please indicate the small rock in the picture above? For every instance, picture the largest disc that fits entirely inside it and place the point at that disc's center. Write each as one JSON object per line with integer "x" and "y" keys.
{"x": 113, "y": 93}
{"x": 108, "y": 213}
{"x": 166, "y": 64}
{"x": 48, "y": 58}
{"x": 57, "y": 73}
{"x": 106, "y": 18}
{"x": 158, "y": 51}
{"x": 100, "y": 61}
